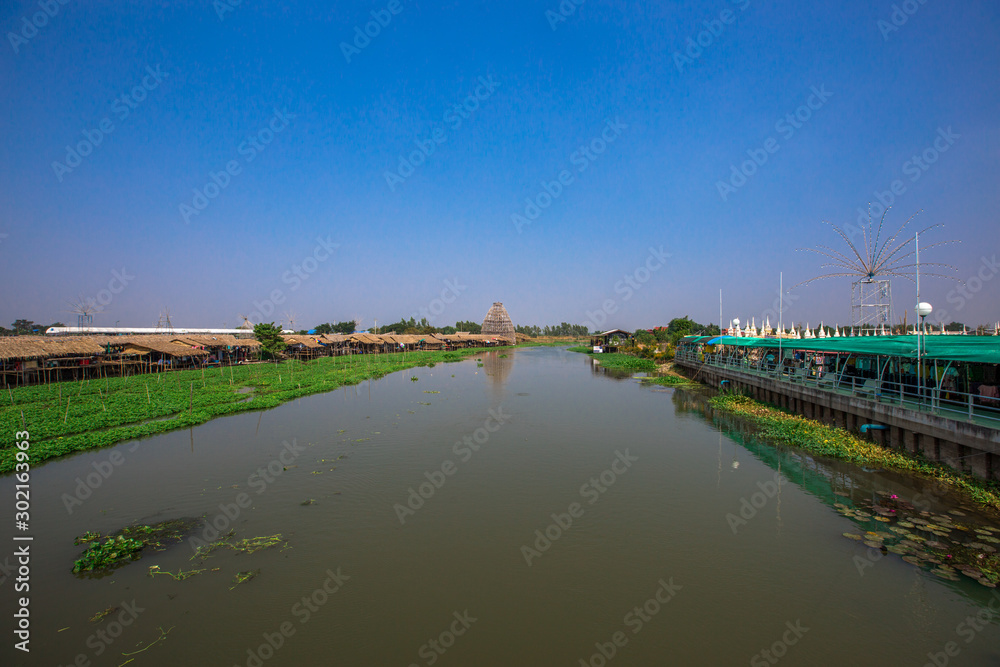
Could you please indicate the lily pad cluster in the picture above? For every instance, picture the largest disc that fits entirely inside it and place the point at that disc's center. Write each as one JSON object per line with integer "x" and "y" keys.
{"x": 945, "y": 544}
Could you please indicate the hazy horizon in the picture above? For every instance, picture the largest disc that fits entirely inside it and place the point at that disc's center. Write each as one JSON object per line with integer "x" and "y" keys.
{"x": 596, "y": 163}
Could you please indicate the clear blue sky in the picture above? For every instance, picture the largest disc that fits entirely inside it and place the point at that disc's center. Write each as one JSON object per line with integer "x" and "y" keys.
{"x": 676, "y": 128}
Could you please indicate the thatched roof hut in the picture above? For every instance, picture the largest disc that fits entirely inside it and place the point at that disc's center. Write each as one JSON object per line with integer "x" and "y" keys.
{"x": 498, "y": 325}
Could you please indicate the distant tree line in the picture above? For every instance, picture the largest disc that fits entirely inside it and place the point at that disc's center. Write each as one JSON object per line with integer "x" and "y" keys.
{"x": 27, "y": 328}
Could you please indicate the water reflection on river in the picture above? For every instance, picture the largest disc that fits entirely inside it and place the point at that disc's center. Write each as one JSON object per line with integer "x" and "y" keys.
{"x": 530, "y": 510}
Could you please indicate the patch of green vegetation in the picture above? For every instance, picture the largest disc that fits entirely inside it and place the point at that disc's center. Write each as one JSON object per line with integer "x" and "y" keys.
{"x": 68, "y": 417}
{"x": 624, "y": 362}
{"x": 668, "y": 381}
{"x": 247, "y": 545}
{"x": 583, "y": 349}
{"x": 106, "y": 553}
{"x": 781, "y": 426}
{"x": 243, "y": 577}
{"x": 99, "y": 616}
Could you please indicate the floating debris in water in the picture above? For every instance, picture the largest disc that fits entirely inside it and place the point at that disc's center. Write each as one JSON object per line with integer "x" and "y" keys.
{"x": 243, "y": 577}
{"x": 180, "y": 576}
{"x": 247, "y": 545}
{"x": 99, "y": 616}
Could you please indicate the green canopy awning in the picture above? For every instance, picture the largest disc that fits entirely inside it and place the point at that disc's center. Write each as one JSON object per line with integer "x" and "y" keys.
{"x": 976, "y": 349}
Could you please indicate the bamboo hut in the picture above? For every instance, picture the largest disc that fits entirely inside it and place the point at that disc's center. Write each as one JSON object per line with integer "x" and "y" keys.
{"x": 304, "y": 347}
{"x": 497, "y": 324}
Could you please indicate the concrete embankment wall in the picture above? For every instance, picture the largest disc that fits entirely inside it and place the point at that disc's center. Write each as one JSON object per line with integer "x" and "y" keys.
{"x": 962, "y": 445}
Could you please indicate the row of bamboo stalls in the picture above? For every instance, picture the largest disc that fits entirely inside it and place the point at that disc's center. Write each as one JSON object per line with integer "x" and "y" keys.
{"x": 40, "y": 359}
{"x": 312, "y": 346}
{"x": 36, "y": 359}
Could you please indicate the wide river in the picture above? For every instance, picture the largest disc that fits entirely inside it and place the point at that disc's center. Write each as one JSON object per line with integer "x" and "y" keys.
{"x": 529, "y": 509}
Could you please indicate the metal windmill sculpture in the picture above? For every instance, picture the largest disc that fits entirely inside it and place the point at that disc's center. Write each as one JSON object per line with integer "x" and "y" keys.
{"x": 873, "y": 265}
{"x": 84, "y": 309}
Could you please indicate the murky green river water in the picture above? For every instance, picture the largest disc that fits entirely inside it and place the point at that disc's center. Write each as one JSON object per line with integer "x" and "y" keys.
{"x": 532, "y": 511}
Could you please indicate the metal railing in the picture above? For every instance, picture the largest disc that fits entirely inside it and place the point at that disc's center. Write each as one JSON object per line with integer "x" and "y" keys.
{"x": 880, "y": 387}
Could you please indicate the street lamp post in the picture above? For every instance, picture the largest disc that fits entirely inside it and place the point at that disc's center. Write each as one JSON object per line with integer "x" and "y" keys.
{"x": 923, "y": 310}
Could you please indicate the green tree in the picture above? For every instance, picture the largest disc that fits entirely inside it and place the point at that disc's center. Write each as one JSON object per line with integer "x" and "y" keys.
{"x": 470, "y": 327}
{"x": 346, "y": 328}
{"x": 325, "y": 328}
{"x": 645, "y": 337}
{"x": 23, "y": 327}
{"x": 271, "y": 343}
